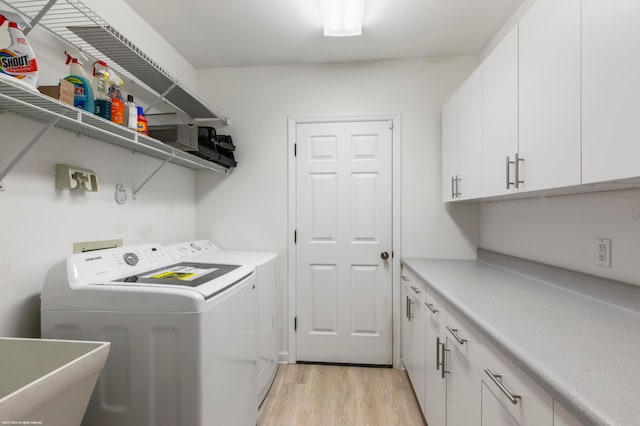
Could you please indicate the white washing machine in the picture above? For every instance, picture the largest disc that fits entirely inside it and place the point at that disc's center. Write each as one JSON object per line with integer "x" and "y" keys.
{"x": 183, "y": 335}
{"x": 265, "y": 266}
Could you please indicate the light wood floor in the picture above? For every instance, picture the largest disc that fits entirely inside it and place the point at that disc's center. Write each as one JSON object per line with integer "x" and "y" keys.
{"x": 310, "y": 395}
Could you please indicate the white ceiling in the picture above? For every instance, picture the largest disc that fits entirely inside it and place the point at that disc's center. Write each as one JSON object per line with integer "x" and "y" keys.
{"x": 225, "y": 33}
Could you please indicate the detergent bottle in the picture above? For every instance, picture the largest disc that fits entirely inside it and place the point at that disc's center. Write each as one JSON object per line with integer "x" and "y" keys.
{"x": 82, "y": 90}
{"x": 101, "y": 89}
{"x": 16, "y": 56}
{"x": 118, "y": 98}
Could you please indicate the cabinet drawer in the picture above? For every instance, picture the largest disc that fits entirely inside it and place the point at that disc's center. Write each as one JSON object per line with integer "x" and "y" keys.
{"x": 435, "y": 308}
{"x": 523, "y": 399}
{"x": 415, "y": 286}
{"x": 463, "y": 336}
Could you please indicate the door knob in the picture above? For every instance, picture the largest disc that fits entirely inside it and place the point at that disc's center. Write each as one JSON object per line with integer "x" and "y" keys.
{"x": 384, "y": 255}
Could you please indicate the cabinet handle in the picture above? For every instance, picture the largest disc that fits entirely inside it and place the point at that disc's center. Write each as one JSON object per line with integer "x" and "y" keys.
{"x": 438, "y": 353}
{"x": 415, "y": 289}
{"x": 454, "y": 333}
{"x": 431, "y": 308}
{"x": 409, "y": 314}
{"x": 458, "y": 193}
{"x": 406, "y": 306}
{"x": 517, "y": 165}
{"x": 444, "y": 359}
{"x": 495, "y": 378}
{"x": 508, "y": 182}
{"x": 453, "y": 194}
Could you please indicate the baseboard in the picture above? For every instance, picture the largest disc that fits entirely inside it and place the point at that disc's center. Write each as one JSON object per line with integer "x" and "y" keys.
{"x": 283, "y": 357}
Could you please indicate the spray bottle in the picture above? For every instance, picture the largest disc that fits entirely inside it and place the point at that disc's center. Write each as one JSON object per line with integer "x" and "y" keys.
{"x": 16, "y": 56}
{"x": 82, "y": 90}
{"x": 101, "y": 89}
{"x": 118, "y": 98}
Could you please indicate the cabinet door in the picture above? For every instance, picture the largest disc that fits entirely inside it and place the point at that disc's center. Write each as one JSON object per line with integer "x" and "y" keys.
{"x": 417, "y": 373}
{"x": 610, "y": 90}
{"x": 407, "y": 349}
{"x": 470, "y": 137}
{"x": 493, "y": 413}
{"x": 549, "y": 104}
{"x": 449, "y": 147}
{"x": 500, "y": 115}
{"x": 435, "y": 384}
{"x": 463, "y": 389}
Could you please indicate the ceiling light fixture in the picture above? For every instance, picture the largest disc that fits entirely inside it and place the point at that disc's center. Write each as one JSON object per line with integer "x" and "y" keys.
{"x": 342, "y": 18}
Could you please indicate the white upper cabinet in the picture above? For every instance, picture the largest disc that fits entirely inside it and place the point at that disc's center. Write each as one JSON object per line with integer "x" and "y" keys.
{"x": 500, "y": 116}
{"x": 470, "y": 137}
{"x": 462, "y": 141}
{"x": 450, "y": 148}
{"x": 610, "y": 89}
{"x": 549, "y": 95}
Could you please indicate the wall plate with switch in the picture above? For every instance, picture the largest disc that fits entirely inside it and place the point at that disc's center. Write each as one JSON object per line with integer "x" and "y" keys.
{"x": 603, "y": 252}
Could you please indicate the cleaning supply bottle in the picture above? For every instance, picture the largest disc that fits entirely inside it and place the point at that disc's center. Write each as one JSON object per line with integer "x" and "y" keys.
{"x": 132, "y": 114}
{"x": 101, "y": 90}
{"x": 82, "y": 90}
{"x": 118, "y": 98}
{"x": 143, "y": 126}
{"x": 17, "y": 59}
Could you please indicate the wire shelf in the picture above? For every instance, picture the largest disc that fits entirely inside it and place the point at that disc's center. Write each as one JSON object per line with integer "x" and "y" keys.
{"x": 36, "y": 106}
{"x": 78, "y": 25}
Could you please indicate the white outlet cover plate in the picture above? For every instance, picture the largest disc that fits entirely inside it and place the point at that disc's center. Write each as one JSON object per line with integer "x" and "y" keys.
{"x": 603, "y": 252}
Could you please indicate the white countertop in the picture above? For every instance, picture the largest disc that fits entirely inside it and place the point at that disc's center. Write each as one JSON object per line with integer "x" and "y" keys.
{"x": 583, "y": 350}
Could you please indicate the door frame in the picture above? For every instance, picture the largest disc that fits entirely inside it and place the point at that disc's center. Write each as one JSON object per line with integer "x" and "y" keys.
{"x": 290, "y": 357}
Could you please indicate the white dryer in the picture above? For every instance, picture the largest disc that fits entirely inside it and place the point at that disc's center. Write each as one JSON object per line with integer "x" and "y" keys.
{"x": 265, "y": 267}
{"x": 183, "y": 335}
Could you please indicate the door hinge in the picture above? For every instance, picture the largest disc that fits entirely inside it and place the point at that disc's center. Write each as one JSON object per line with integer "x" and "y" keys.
{"x": 295, "y": 236}
{"x": 295, "y": 324}
{"x": 295, "y": 149}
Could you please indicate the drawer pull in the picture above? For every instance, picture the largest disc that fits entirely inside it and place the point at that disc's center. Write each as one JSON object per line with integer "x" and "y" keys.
{"x": 431, "y": 308}
{"x": 415, "y": 289}
{"x": 409, "y": 313}
{"x": 454, "y": 333}
{"x": 495, "y": 378}
{"x": 444, "y": 360}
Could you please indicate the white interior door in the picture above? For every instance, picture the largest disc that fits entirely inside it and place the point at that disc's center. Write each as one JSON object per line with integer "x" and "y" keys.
{"x": 344, "y": 225}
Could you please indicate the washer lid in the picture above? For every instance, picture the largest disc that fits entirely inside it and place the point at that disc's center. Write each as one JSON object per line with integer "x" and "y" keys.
{"x": 205, "y": 278}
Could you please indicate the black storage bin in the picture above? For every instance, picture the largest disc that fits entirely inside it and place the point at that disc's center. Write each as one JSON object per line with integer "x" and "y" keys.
{"x": 216, "y": 148}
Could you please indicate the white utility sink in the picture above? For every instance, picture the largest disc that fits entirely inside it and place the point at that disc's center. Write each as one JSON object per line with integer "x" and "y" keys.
{"x": 48, "y": 382}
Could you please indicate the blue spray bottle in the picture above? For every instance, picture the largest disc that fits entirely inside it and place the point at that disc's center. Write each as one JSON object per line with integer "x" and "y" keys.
{"x": 82, "y": 90}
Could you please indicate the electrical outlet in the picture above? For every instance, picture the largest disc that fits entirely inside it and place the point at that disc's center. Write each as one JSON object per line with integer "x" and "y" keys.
{"x": 603, "y": 252}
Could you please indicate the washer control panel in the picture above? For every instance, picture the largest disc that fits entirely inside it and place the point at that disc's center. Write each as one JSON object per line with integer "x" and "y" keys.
{"x": 102, "y": 265}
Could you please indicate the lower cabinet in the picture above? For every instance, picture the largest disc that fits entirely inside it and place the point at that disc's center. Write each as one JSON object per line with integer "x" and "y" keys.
{"x": 435, "y": 377}
{"x": 413, "y": 337}
{"x": 460, "y": 378}
{"x": 463, "y": 396}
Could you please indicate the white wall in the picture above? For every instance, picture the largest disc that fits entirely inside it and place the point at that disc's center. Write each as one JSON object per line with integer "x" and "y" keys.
{"x": 248, "y": 210}
{"x": 39, "y": 224}
{"x": 562, "y": 231}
